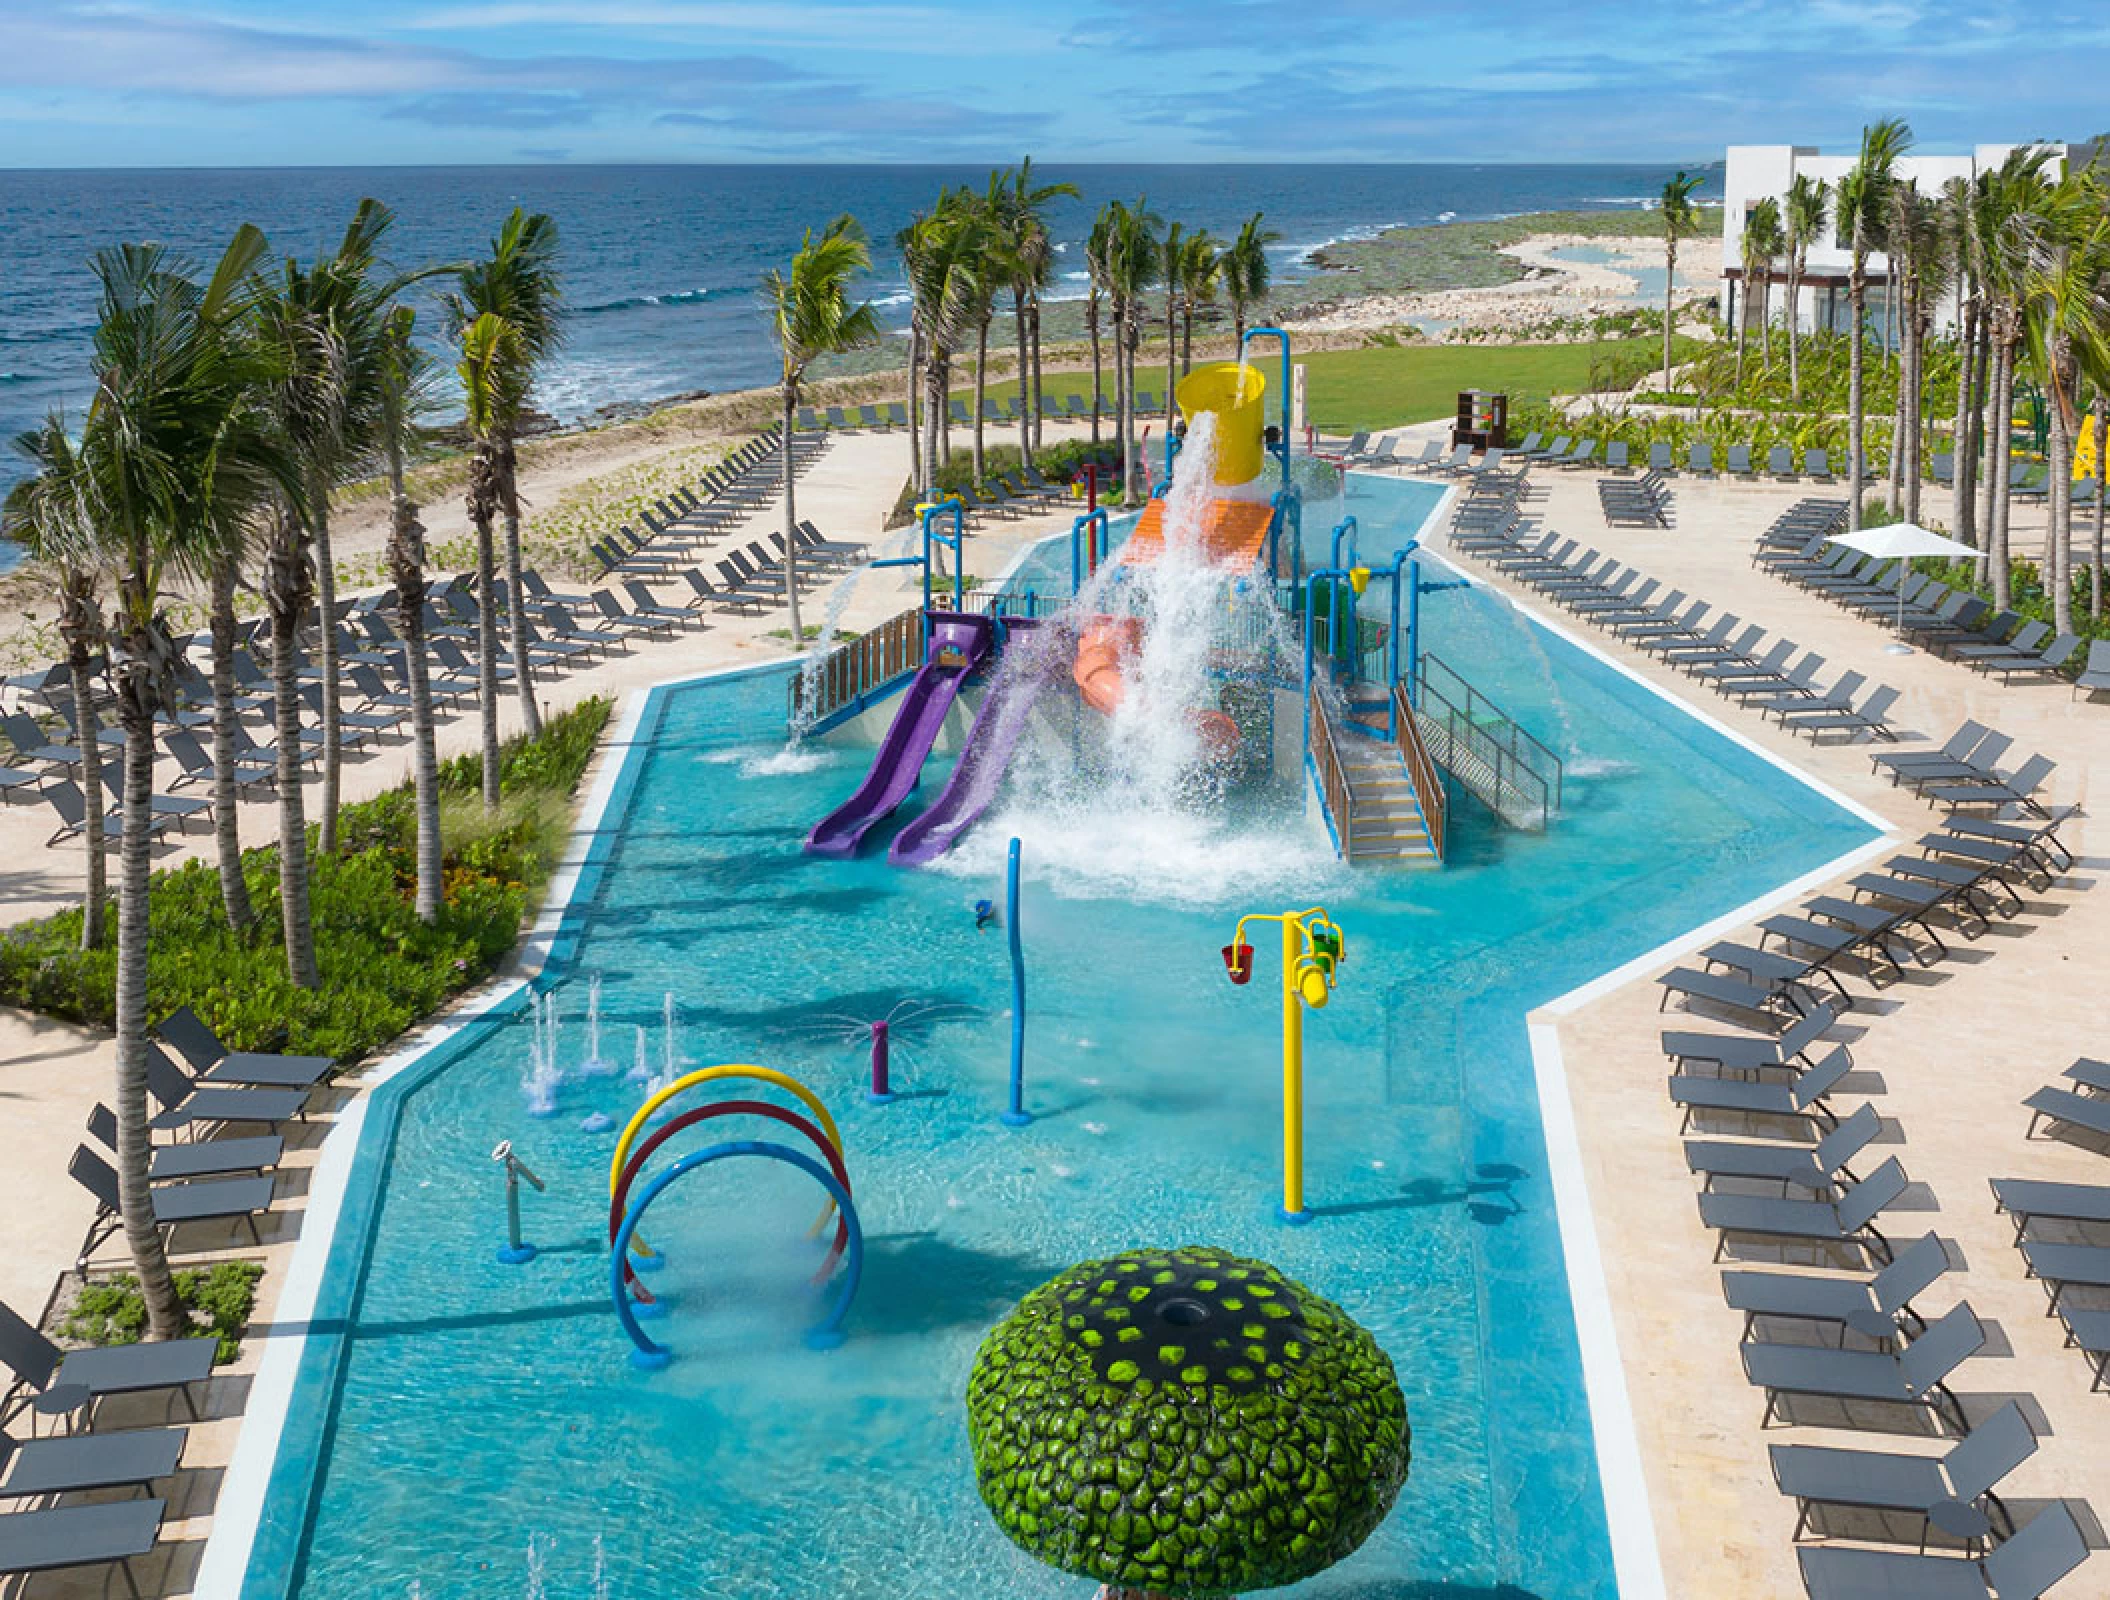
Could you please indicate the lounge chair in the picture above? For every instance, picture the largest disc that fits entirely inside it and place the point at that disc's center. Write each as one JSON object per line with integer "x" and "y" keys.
{"x": 1552, "y": 452}
{"x": 2019, "y": 788}
{"x": 642, "y": 604}
{"x": 1818, "y": 1168}
{"x": 1871, "y": 716}
{"x": 1817, "y": 465}
{"x": 202, "y": 1158}
{"x": 1659, "y": 458}
{"x": 1744, "y": 1052}
{"x": 1850, "y": 1220}
{"x": 1788, "y": 707}
{"x": 1916, "y": 1377}
{"x": 1700, "y": 462}
{"x": 187, "y": 1104}
{"x": 1581, "y": 456}
{"x": 1877, "y": 1307}
{"x": 1804, "y": 1097}
{"x": 2095, "y": 673}
{"x": 213, "y": 1062}
{"x": 251, "y": 773}
{"x": 897, "y": 414}
{"x": 202, "y": 1200}
{"x": 1762, "y": 1002}
{"x": 55, "y": 1538}
{"x": 1739, "y": 463}
{"x": 56, "y": 1383}
{"x": 2055, "y": 1105}
{"x": 65, "y": 798}
{"x": 2025, "y": 1567}
{"x": 1945, "y": 468}
{"x": 702, "y": 593}
{"x": 1868, "y": 1480}
{"x": 133, "y": 1459}
{"x": 2028, "y": 1200}
{"x": 1780, "y": 463}
{"x": 1615, "y": 456}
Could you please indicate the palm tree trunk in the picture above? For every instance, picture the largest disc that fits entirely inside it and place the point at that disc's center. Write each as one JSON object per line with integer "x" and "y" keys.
{"x": 1025, "y": 401}
{"x": 2102, "y": 483}
{"x": 1962, "y": 507}
{"x": 1856, "y": 463}
{"x": 1172, "y": 355}
{"x": 516, "y": 596}
{"x": 1091, "y": 323}
{"x": 1998, "y": 444}
{"x": 1795, "y": 327}
{"x": 791, "y": 523}
{"x": 286, "y": 596}
{"x": 483, "y": 499}
{"x": 165, "y": 1318}
{"x": 941, "y": 404}
{"x": 1039, "y": 415}
{"x": 77, "y": 621}
{"x": 1125, "y": 403}
{"x": 1742, "y": 290}
{"x": 981, "y": 390}
{"x": 332, "y": 728}
{"x": 1990, "y": 467}
{"x": 406, "y": 560}
{"x": 1186, "y": 339}
{"x": 933, "y": 418}
{"x": 915, "y": 410}
{"x": 226, "y": 823}
{"x": 1670, "y": 278}
{"x": 2058, "y": 529}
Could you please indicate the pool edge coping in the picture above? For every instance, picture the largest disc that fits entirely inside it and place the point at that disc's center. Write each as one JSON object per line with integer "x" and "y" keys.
{"x": 237, "y": 1514}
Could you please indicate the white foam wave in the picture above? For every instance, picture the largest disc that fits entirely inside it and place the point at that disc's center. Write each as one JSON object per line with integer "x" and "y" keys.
{"x": 787, "y": 762}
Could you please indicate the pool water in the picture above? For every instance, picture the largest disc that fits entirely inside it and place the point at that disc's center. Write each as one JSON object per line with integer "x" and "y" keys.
{"x": 467, "y": 1429}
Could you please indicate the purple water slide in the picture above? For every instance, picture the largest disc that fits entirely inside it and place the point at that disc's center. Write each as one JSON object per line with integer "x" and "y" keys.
{"x": 899, "y": 763}
{"x": 980, "y": 769}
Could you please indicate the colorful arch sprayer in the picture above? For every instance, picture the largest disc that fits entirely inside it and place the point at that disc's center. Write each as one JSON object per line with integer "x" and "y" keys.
{"x": 629, "y": 1253}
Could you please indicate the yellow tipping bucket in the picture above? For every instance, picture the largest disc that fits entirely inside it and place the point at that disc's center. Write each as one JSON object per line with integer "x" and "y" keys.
{"x": 1241, "y": 415}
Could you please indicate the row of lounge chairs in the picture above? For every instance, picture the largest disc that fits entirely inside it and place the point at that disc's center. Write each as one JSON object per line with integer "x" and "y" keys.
{"x": 45, "y": 1526}
{"x": 1643, "y": 502}
{"x": 1949, "y": 622}
{"x": 1778, "y": 679}
{"x": 1780, "y": 1169}
{"x": 1964, "y": 773}
{"x": 886, "y": 417}
{"x": 2060, "y": 1228}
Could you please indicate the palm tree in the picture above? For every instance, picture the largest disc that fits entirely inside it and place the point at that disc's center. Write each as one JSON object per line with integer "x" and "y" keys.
{"x": 2066, "y": 291}
{"x": 1761, "y": 242}
{"x": 319, "y": 328}
{"x": 1095, "y": 262}
{"x": 1247, "y": 272}
{"x": 1172, "y": 254}
{"x": 518, "y": 283}
{"x": 2005, "y": 198}
{"x": 810, "y": 305}
{"x": 181, "y": 447}
{"x": 1201, "y": 269}
{"x": 405, "y": 372}
{"x": 1920, "y": 266}
{"x": 1806, "y": 213}
{"x": 1132, "y": 266}
{"x": 1960, "y": 246}
{"x": 942, "y": 253}
{"x": 52, "y": 515}
{"x": 1681, "y": 220}
{"x": 1864, "y": 204}
{"x": 1027, "y": 251}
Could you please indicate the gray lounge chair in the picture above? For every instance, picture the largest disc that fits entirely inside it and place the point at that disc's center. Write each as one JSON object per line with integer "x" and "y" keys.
{"x": 1659, "y": 458}
{"x": 1700, "y": 461}
{"x": 2095, "y": 674}
{"x": 57, "y": 1383}
{"x": 1804, "y": 1097}
{"x": 1850, "y": 1220}
{"x": 80, "y": 1536}
{"x": 1816, "y": 464}
{"x": 2018, "y": 789}
{"x": 1961, "y": 1482}
{"x": 1753, "y": 1052}
{"x": 204, "y": 1200}
{"x": 1874, "y": 1308}
{"x": 2027, "y": 1200}
{"x": 185, "y": 1103}
{"x": 2082, "y": 1111}
{"x": 1917, "y": 1377}
{"x": 203, "y": 1158}
{"x": 213, "y": 1062}
{"x": 1818, "y": 1167}
{"x": 1615, "y": 456}
{"x": 2021, "y": 1569}
{"x": 1739, "y": 464}
{"x": 1780, "y": 463}
{"x": 129, "y": 1460}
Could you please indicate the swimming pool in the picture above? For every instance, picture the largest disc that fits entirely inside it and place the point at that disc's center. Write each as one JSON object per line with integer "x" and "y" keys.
{"x": 471, "y": 1429}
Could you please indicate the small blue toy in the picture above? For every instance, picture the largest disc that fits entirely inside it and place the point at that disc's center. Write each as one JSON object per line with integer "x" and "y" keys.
{"x": 984, "y": 914}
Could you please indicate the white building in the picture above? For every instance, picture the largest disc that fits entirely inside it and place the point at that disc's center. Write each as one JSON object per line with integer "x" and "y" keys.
{"x": 1755, "y": 171}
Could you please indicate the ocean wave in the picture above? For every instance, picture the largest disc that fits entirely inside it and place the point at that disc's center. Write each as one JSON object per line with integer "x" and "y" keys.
{"x": 887, "y": 302}
{"x": 16, "y": 377}
{"x": 680, "y": 297}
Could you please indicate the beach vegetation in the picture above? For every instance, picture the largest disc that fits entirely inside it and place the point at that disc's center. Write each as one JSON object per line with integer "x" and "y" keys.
{"x": 216, "y": 1301}
{"x": 1679, "y": 218}
{"x": 1248, "y": 274}
{"x": 388, "y": 966}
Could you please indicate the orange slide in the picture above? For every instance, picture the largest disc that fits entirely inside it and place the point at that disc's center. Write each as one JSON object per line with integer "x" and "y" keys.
{"x": 1104, "y": 650}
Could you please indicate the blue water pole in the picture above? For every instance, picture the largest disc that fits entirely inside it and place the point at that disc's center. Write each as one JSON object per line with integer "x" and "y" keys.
{"x": 1335, "y": 576}
{"x": 1016, "y": 1116}
{"x": 1413, "y": 630}
{"x": 1282, "y": 448}
{"x": 1348, "y": 529}
{"x": 1092, "y": 524}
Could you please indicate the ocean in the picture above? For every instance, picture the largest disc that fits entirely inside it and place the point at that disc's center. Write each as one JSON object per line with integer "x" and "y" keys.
{"x": 662, "y": 264}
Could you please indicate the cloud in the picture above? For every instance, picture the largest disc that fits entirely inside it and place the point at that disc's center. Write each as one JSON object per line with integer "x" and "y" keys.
{"x": 906, "y": 29}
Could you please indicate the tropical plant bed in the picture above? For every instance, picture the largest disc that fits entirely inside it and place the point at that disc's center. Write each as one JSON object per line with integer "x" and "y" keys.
{"x": 105, "y": 1310}
{"x": 382, "y": 969}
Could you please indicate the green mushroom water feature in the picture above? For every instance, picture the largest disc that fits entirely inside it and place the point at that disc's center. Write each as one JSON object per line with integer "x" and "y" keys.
{"x": 1185, "y": 1423}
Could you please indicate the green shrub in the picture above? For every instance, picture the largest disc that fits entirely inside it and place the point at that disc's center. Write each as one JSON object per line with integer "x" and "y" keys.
{"x": 382, "y": 968}
{"x": 218, "y": 1300}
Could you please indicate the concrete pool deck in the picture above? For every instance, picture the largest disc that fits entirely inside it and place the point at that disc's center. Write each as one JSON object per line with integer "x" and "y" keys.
{"x": 1721, "y": 1527}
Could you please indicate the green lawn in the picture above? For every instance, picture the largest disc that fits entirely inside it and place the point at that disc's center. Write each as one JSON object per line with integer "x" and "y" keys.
{"x": 1387, "y": 385}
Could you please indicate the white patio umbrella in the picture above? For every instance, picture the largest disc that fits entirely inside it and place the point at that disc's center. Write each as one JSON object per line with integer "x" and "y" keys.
{"x": 1900, "y": 542}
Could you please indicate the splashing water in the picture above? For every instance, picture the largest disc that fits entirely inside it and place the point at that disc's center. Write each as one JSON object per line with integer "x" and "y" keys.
{"x": 671, "y": 1057}
{"x": 595, "y": 1065}
{"x": 543, "y": 1077}
{"x": 1136, "y": 805}
{"x": 831, "y": 621}
{"x": 538, "y": 1546}
{"x": 641, "y": 1072}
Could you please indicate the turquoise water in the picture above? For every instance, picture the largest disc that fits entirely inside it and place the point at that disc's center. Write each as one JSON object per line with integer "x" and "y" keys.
{"x": 1649, "y": 281}
{"x": 475, "y": 1430}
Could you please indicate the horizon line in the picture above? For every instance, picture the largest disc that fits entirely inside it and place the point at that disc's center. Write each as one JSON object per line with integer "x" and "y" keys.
{"x": 973, "y": 161}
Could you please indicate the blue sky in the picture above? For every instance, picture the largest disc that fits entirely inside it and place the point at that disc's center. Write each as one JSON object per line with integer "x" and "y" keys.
{"x": 240, "y": 83}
